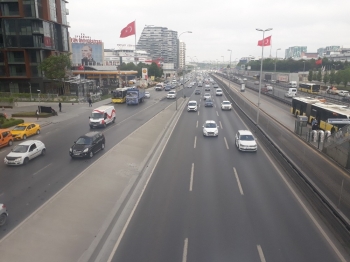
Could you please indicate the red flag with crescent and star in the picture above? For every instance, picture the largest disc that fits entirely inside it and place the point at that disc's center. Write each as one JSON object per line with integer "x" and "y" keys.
{"x": 128, "y": 30}
{"x": 265, "y": 42}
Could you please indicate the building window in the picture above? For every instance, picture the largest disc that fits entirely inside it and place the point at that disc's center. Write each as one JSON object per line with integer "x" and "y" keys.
{"x": 17, "y": 70}
{"x": 9, "y": 9}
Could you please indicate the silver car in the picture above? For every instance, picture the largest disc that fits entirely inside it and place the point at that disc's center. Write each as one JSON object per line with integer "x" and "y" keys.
{"x": 3, "y": 214}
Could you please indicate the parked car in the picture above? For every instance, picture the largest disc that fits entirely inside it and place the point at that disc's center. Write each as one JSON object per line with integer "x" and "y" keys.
{"x": 3, "y": 214}
{"x": 25, "y": 151}
{"x": 88, "y": 145}
{"x": 6, "y": 138}
{"x": 24, "y": 130}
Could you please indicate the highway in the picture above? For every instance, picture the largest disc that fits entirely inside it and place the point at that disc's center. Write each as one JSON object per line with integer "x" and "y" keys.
{"x": 206, "y": 201}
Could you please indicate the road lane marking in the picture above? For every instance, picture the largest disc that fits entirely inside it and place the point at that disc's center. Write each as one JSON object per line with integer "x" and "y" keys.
{"x": 191, "y": 180}
{"x": 226, "y": 143}
{"x": 220, "y": 124}
{"x": 238, "y": 182}
{"x": 217, "y": 113}
{"x": 184, "y": 254}
{"x": 313, "y": 219}
{"x": 42, "y": 169}
{"x": 195, "y": 142}
{"x": 198, "y": 112}
{"x": 261, "y": 254}
{"x": 197, "y": 124}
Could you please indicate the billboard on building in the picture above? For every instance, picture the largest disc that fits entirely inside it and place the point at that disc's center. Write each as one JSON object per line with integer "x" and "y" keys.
{"x": 87, "y": 52}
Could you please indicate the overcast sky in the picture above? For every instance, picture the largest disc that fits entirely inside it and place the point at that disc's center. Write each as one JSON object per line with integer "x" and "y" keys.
{"x": 218, "y": 25}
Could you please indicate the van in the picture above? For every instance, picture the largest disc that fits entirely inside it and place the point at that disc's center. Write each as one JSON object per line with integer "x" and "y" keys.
{"x": 102, "y": 116}
{"x": 293, "y": 84}
{"x": 291, "y": 92}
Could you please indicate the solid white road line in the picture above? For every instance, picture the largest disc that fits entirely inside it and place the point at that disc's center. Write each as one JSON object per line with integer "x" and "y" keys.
{"x": 226, "y": 143}
{"x": 220, "y": 124}
{"x": 238, "y": 182}
{"x": 42, "y": 169}
{"x": 184, "y": 254}
{"x": 261, "y": 254}
{"x": 191, "y": 180}
{"x": 195, "y": 142}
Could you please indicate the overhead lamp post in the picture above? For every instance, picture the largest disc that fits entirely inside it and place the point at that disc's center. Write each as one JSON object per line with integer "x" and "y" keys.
{"x": 228, "y": 75}
{"x": 183, "y": 69}
{"x": 261, "y": 66}
{"x": 276, "y": 58}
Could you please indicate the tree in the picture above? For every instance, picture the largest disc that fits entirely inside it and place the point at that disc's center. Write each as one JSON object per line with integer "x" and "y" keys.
{"x": 55, "y": 68}
{"x": 346, "y": 76}
{"x": 314, "y": 76}
{"x": 338, "y": 77}
{"x": 319, "y": 75}
{"x": 154, "y": 70}
{"x": 309, "y": 77}
{"x": 332, "y": 77}
{"x": 326, "y": 78}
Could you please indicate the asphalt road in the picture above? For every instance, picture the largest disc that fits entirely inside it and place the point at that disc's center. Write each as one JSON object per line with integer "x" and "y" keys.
{"x": 206, "y": 201}
{"x": 25, "y": 188}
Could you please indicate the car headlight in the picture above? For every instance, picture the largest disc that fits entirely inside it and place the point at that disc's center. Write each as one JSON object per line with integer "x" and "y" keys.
{"x": 70, "y": 149}
{"x": 86, "y": 150}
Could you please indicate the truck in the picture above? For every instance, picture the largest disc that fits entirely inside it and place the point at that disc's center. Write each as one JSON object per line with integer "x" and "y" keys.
{"x": 135, "y": 96}
{"x": 159, "y": 87}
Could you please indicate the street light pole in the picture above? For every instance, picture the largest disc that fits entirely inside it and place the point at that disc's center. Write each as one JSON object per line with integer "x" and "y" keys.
{"x": 228, "y": 75}
{"x": 261, "y": 66}
{"x": 183, "y": 69}
{"x": 30, "y": 90}
{"x": 276, "y": 58}
{"x": 39, "y": 100}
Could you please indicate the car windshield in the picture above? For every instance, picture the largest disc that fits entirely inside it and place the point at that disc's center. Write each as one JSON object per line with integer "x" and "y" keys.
{"x": 19, "y": 128}
{"x": 131, "y": 93}
{"x": 84, "y": 141}
{"x": 192, "y": 104}
{"x": 171, "y": 92}
{"x": 96, "y": 115}
{"x": 225, "y": 103}
{"x": 247, "y": 137}
{"x": 210, "y": 125}
{"x": 20, "y": 149}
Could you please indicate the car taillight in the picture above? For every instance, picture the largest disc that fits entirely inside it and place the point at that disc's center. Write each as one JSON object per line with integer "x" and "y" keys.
{"x": 4, "y": 206}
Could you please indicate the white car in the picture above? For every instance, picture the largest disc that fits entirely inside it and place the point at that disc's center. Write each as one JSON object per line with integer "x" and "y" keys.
{"x": 206, "y": 96}
{"x": 23, "y": 152}
{"x": 171, "y": 94}
{"x": 3, "y": 214}
{"x": 290, "y": 94}
{"x": 245, "y": 141}
{"x": 192, "y": 106}
{"x": 218, "y": 92}
{"x": 269, "y": 88}
{"x": 343, "y": 92}
{"x": 147, "y": 94}
{"x": 226, "y": 105}
{"x": 210, "y": 128}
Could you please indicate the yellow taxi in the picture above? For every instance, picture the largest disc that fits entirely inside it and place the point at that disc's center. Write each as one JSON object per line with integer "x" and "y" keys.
{"x": 22, "y": 131}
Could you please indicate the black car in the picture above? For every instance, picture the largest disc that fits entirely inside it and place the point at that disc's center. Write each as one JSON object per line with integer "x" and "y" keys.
{"x": 197, "y": 92}
{"x": 167, "y": 87}
{"x": 208, "y": 103}
{"x": 88, "y": 145}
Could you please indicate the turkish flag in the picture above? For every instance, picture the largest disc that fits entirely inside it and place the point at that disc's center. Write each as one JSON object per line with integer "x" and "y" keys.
{"x": 318, "y": 62}
{"x": 128, "y": 30}
{"x": 265, "y": 42}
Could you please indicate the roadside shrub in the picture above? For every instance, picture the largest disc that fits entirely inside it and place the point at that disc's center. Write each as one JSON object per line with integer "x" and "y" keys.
{"x": 11, "y": 122}
{"x": 31, "y": 114}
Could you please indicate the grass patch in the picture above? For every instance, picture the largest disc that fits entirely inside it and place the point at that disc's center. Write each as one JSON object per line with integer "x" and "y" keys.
{"x": 5, "y": 123}
{"x": 31, "y": 114}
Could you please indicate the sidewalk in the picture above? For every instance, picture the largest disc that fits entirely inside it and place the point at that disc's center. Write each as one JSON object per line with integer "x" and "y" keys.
{"x": 70, "y": 225}
{"x": 69, "y": 110}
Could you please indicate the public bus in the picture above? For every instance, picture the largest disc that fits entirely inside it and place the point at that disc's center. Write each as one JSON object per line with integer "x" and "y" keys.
{"x": 325, "y": 113}
{"x": 309, "y": 88}
{"x": 119, "y": 95}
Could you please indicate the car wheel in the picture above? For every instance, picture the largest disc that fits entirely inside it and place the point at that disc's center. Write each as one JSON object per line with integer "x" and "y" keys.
{"x": 91, "y": 154}
{"x": 10, "y": 143}
{"x": 104, "y": 125}
{"x": 103, "y": 146}
{"x": 113, "y": 120}
{"x": 25, "y": 161}
{"x": 43, "y": 152}
{"x": 3, "y": 218}
{"x": 24, "y": 137}
{"x": 38, "y": 132}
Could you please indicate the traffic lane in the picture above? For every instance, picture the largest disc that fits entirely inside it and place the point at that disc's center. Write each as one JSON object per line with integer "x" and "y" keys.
{"x": 27, "y": 187}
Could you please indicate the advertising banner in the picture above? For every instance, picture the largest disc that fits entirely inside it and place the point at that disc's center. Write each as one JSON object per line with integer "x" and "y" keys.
{"x": 144, "y": 73}
{"x": 87, "y": 53}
